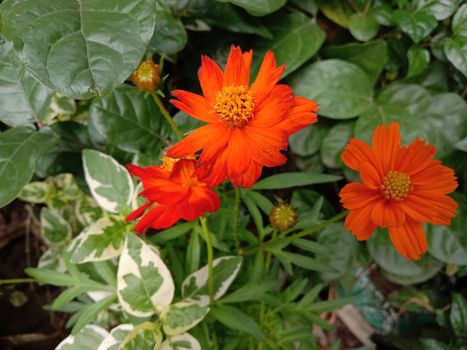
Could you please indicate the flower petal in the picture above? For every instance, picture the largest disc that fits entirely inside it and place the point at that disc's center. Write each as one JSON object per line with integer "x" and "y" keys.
{"x": 210, "y": 78}
{"x": 265, "y": 145}
{"x": 435, "y": 178}
{"x": 415, "y": 157}
{"x": 437, "y": 209}
{"x": 249, "y": 177}
{"x": 409, "y": 239}
{"x": 357, "y": 153}
{"x": 385, "y": 144}
{"x": 199, "y": 201}
{"x": 151, "y": 218}
{"x": 300, "y": 115}
{"x": 195, "y": 105}
{"x": 355, "y": 195}
{"x": 387, "y": 213}
{"x": 267, "y": 77}
{"x": 235, "y": 71}
{"x": 138, "y": 212}
{"x": 358, "y": 222}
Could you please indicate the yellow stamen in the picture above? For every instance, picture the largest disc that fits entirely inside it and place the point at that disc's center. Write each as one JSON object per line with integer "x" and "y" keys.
{"x": 234, "y": 105}
{"x": 396, "y": 186}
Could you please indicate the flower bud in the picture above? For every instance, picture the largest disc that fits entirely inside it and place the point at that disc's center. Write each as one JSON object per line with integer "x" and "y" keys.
{"x": 283, "y": 216}
{"x": 147, "y": 75}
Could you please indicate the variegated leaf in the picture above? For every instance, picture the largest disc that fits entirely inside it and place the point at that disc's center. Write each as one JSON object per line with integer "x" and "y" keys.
{"x": 181, "y": 342}
{"x": 109, "y": 182}
{"x": 54, "y": 227}
{"x": 225, "y": 270}
{"x": 35, "y": 192}
{"x": 147, "y": 336}
{"x": 102, "y": 240}
{"x": 144, "y": 283}
{"x": 88, "y": 338}
{"x": 53, "y": 259}
{"x": 182, "y": 316}
{"x": 116, "y": 336}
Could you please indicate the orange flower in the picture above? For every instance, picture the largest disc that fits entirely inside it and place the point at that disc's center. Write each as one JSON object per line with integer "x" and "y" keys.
{"x": 401, "y": 188}
{"x": 248, "y": 125}
{"x": 173, "y": 192}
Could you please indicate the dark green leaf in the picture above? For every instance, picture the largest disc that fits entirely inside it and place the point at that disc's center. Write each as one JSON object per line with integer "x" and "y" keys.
{"x": 418, "y": 24}
{"x": 459, "y": 22}
{"x": 337, "y": 11}
{"x": 458, "y": 315}
{"x": 455, "y": 49}
{"x": 342, "y": 89}
{"x": 20, "y": 148}
{"x": 48, "y": 276}
{"x": 258, "y": 7}
{"x": 79, "y": 48}
{"x": 235, "y": 319}
{"x": 91, "y": 312}
{"x": 418, "y": 60}
{"x": 441, "y": 9}
{"x": 333, "y": 144}
{"x": 287, "y": 180}
{"x": 363, "y": 27}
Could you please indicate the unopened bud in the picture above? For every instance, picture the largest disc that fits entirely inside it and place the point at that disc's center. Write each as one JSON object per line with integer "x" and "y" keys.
{"x": 147, "y": 75}
{"x": 283, "y": 216}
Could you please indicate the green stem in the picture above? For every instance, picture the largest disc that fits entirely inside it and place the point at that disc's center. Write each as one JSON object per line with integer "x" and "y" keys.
{"x": 17, "y": 281}
{"x": 166, "y": 115}
{"x": 207, "y": 238}
{"x": 303, "y": 233}
{"x": 236, "y": 212}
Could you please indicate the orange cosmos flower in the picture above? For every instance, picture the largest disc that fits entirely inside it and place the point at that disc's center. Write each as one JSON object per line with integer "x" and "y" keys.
{"x": 401, "y": 188}
{"x": 248, "y": 125}
{"x": 173, "y": 192}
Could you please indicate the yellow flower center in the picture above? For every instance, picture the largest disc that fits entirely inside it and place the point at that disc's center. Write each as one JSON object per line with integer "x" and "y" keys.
{"x": 396, "y": 186}
{"x": 283, "y": 216}
{"x": 234, "y": 105}
{"x": 145, "y": 71}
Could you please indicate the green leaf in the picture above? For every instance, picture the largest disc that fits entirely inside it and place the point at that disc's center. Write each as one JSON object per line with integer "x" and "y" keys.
{"x": 170, "y": 36}
{"x": 181, "y": 342}
{"x": 288, "y": 180}
{"x": 439, "y": 118}
{"x": 417, "y": 24}
{"x": 54, "y": 227}
{"x": 418, "y": 60}
{"x": 144, "y": 283}
{"x": 182, "y": 316}
{"x": 250, "y": 292}
{"x": 455, "y": 49}
{"x": 449, "y": 243}
{"x": 258, "y": 7}
{"x": 459, "y": 22}
{"x": 334, "y": 143}
{"x": 296, "y": 38}
{"x": 109, "y": 182}
{"x": 339, "y": 250}
{"x": 433, "y": 344}
{"x": 146, "y": 336}
{"x": 117, "y": 334}
{"x": 307, "y": 141}
{"x": 458, "y": 315}
{"x": 100, "y": 241}
{"x": 91, "y": 312}
{"x": 35, "y": 192}
{"x": 129, "y": 120}
{"x": 441, "y": 9}
{"x": 89, "y": 338}
{"x": 337, "y": 11}
{"x": 22, "y": 99}
{"x": 225, "y": 269}
{"x": 49, "y": 276}
{"x": 20, "y": 147}
{"x": 399, "y": 269}
{"x": 79, "y": 48}
{"x": 235, "y": 319}
{"x": 370, "y": 57}
{"x": 300, "y": 260}
{"x": 363, "y": 27}
{"x": 341, "y": 88}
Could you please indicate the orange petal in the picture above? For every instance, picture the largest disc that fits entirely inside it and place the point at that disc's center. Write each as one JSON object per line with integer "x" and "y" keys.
{"x": 165, "y": 192}
{"x": 386, "y": 143}
{"x": 274, "y": 108}
{"x": 302, "y": 114}
{"x": 429, "y": 207}
{"x": 267, "y": 77}
{"x": 355, "y": 195}
{"x": 195, "y": 105}
{"x": 357, "y": 153}
{"x": 235, "y": 71}
{"x": 197, "y": 140}
{"x": 415, "y": 157}
{"x": 265, "y": 145}
{"x": 249, "y": 178}
{"x": 200, "y": 201}
{"x": 214, "y": 172}
{"x": 387, "y": 213}
{"x": 167, "y": 218}
{"x": 358, "y": 222}
{"x": 247, "y": 58}
{"x": 157, "y": 218}
{"x": 435, "y": 178}
{"x": 239, "y": 158}
{"x": 138, "y": 212}
{"x": 210, "y": 78}
{"x": 409, "y": 239}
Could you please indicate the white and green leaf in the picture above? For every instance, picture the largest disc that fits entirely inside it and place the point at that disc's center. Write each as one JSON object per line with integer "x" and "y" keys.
{"x": 116, "y": 336}
{"x": 35, "y": 192}
{"x": 88, "y": 338}
{"x": 181, "y": 342}
{"x": 182, "y": 316}
{"x": 147, "y": 336}
{"x": 54, "y": 227}
{"x": 144, "y": 283}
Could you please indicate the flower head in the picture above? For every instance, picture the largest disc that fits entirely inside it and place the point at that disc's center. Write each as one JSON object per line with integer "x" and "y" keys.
{"x": 248, "y": 125}
{"x": 283, "y": 216}
{"x": 172, "y": 192}
{"x": 401, "y": 188}
{"x": 147, "y": 75}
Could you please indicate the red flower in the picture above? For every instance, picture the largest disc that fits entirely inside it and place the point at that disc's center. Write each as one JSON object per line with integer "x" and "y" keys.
{"x": 173, "y": 192}
{"x": 401, "y": 188}
{"x": 248, "y": 125}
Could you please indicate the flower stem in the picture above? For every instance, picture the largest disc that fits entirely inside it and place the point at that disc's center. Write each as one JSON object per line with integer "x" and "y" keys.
{"x": 17, "y": 281}
{"x": 288, "y": 239}
{"x": 207, "y": 238}
{"x": 166, "y": 115}
{"x": 236, "y": 212}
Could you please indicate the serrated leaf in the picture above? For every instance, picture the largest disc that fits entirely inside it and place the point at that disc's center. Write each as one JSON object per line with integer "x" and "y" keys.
{"x": 181, "y": 342}
{"x": 144, "y": 283}
{"x": 288, "y": 180}
{"x": 146, "y": 336}
{"x": 89, "y": 338}
{"x": 109, "y": 182}
{"x": 117, "y": 334}
{"x": 182, "y": 316}
{"x": 100, "y": 241}
{"x": 225, "y": 269}
{"x": 20, "y": 147}
{"x": 79, "y": 48}
{"x": 22, "y": 99}
{"x": 342, "y": 89}
{"x": 54, "y": 227}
